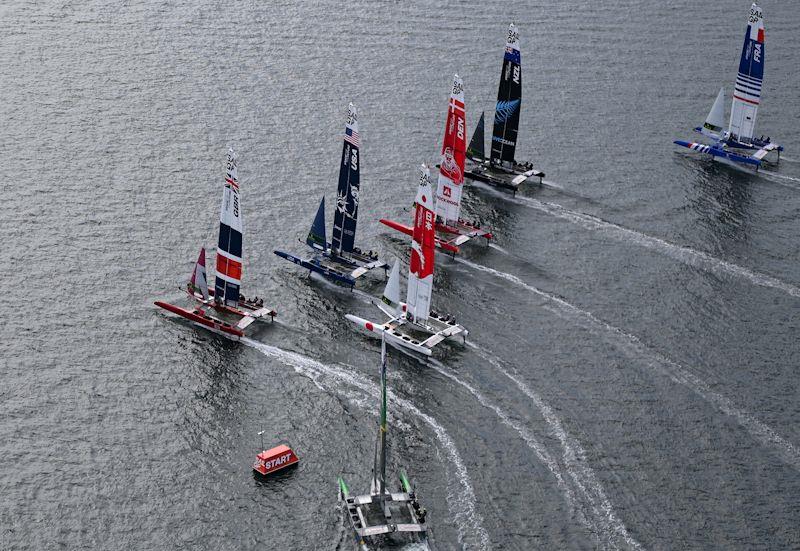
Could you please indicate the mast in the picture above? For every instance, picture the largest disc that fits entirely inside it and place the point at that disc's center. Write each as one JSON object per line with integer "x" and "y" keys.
{"x": 346, "y": 214}
{"x": 747, "y": 92}
{"x": 229, "y": 247}
{"x": 383, "y": 428}
{"x": 454, "y": 146}
{"x": 509, "y": 96}
{"x": 423, "y": 251}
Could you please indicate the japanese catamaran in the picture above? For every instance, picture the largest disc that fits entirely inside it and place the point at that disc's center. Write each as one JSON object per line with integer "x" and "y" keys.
{"x": 733, "y": 146}
{"x": 501, "y": 169}
{"x": 382, "y": 518}
{"x": 340, "y": 260}
{"x": 453, "y": 231}
{"x": 224, "y": 298}
{"x": 413, "y": 325}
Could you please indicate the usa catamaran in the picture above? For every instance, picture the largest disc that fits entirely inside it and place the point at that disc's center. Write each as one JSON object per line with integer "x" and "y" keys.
{"x": 381, "y": 518}
{"x": 340, "y": 260}
{"x": 733, "y": 146}
{"x": 453, "y": 230}
{"x": 413, "y": 325}
{"x": 224, "y": 297}
{"x": 501, "y": 169}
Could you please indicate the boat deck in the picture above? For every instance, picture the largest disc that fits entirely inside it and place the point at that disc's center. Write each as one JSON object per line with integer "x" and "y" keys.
{"x": 372, "y": 517}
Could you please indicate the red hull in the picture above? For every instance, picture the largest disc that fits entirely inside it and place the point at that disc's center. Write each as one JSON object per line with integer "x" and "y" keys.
{"x": 202, "y": 319}
{"x": 275, "y": 459}
{"x": 408, "y": 230}
{"x": 230, "y": 309}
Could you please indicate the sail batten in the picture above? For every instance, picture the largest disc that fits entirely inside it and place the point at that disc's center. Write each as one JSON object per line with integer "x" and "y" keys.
{"x": 346, "y": 214}
{"x": 509, "y": 99}
{"x": 747, "y": 90}
{"x": 229, "y": 246}
{"x": 423, "y": 250}
{"x": 454, "y": 145}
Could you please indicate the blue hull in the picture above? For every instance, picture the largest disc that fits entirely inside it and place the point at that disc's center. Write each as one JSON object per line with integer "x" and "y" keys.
{"x": 314, "y": 265}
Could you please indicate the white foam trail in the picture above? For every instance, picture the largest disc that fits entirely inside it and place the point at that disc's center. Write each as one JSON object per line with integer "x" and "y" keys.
{"x": 790, "y": 159}
{"x": 780, "y": 179}
{"x": 677, "y": 373}
{"x": 554, "y": 185}
{"x": 574, "y": 457}
{"x": 687, "y": 255}
{"x": 497, "y": 247}
{"x": 468, "y": 521}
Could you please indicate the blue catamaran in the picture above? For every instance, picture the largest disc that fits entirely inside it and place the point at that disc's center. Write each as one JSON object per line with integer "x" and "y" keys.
{"x": 340, "y": 260}
{"x": 738, "y": 144}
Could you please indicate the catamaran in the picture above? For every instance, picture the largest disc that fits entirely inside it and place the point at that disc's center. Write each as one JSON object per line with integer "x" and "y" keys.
{"x": 732, "y": 146}
{"x": 453, "y": 230}
{"x": 501, "y": 169}
{"x": 381, "y": 518}
{"x": 340, "y": 260}
{"x": 224, "y": 297}
{"x": 413, "y": 325}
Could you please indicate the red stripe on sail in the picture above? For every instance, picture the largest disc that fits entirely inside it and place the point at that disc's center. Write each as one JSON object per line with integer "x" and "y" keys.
{"x": 230, "y": 268}
{"x": 747, "y": 100}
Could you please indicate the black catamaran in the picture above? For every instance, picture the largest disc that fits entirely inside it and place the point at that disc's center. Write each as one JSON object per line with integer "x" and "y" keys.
{"x": 381, "y": 518}
{"x": 501, "y": 169}
{"x": 340, "y": 260}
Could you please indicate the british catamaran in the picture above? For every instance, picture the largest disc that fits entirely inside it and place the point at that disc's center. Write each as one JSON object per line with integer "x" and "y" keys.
{"x": 453, "y": 230}
{"x": 382, "y": 518}
{"x": 413, "y": 325}
{"x": 340, "y": 260}
{"x": 734, "y": 144}
{"x": 501, "y": 169}
{"x": 224, "y": 297}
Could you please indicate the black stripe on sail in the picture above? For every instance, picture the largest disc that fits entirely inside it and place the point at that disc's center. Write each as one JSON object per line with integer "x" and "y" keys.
{"x": 475, "y": 149}
{"x": 346, "y": 210}
{"x": 506, "y": 117}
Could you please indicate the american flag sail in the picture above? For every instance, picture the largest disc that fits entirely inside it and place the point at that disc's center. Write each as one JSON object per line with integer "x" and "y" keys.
{"x": 346, "y": 213}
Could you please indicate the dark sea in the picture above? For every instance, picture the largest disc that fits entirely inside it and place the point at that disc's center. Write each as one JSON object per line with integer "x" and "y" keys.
{"x": 630, "y": 379}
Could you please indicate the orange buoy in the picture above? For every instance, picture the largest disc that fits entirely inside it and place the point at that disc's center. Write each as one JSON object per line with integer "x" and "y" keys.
{"x": 275, "y": 459}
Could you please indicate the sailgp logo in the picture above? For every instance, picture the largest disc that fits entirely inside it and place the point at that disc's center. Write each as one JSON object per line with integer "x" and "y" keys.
{"x": 504, "y": 110}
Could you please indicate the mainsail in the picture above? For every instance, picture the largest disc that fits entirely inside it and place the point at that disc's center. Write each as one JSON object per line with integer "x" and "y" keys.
{"x": 423, "y": 250}
{"x": 451, "y": 168}
{"x": 475, "y": 149}
{"x": 229, "y": 247}
{"x": 509, "y": 96}
{"x": 316, "y": 236}
{"x": 716, "y": 117}
{"x": 198, "y": 282}
{"x": 346, "y": 215}
{"x": 747, "y": 92}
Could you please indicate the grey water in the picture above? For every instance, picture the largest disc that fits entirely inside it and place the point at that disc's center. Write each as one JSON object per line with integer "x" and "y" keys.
{"x": 631, "y": 375}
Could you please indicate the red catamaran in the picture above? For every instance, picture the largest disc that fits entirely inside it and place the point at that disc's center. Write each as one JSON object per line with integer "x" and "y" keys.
{"x": 225, "y": 297}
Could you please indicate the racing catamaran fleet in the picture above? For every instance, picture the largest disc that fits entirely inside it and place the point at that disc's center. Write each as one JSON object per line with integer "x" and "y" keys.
{"x": 737, "y": 145}
{"x": 382, "y": 517}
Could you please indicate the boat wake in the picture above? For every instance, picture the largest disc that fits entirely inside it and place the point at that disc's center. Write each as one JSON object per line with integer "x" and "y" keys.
{"x": 468, "y": 521}
{"x": 677, "y": 373}
{"x": 595, "y": 510}
{"x": 551, "y": 184}
{"x": 499, "y": 248}
{"x": 687, "y": 255}
{"x": 781, "y": 179}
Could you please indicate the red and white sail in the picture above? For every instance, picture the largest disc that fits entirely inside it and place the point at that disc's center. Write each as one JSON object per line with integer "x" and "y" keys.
{"x": 454, "y": 150}
{"x": 229, "y": 246}
{"x": 423, "y": 250}
{"x": 198, "y": 283}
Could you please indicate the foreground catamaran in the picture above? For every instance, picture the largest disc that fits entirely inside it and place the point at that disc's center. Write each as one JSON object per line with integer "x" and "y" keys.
{"x": 412, "y": 325}
{"x": 733, "y": 146}
{"x": 224, "y": 297}
{"x": 340, "y": 260}
{"x": 453, "y": 230}
{"x": 501, "y": 169}
{"x": 381, "y": 518}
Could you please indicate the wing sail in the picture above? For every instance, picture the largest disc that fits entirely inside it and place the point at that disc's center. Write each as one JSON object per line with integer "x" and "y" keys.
{"x": 509, "y": 97}
{"x": 229, "y": 247}
{"x": 346, "y": 214}
{"x": 747, "y": 92}
{"x": 454, "y": 145}
{"x": 423, "y": 251}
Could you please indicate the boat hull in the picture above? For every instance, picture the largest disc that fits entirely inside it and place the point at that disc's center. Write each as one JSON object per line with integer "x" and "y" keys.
{"x": 201, "y": 320}
{"x": 313, "y": 265}
{"x": 408, "y": 230}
